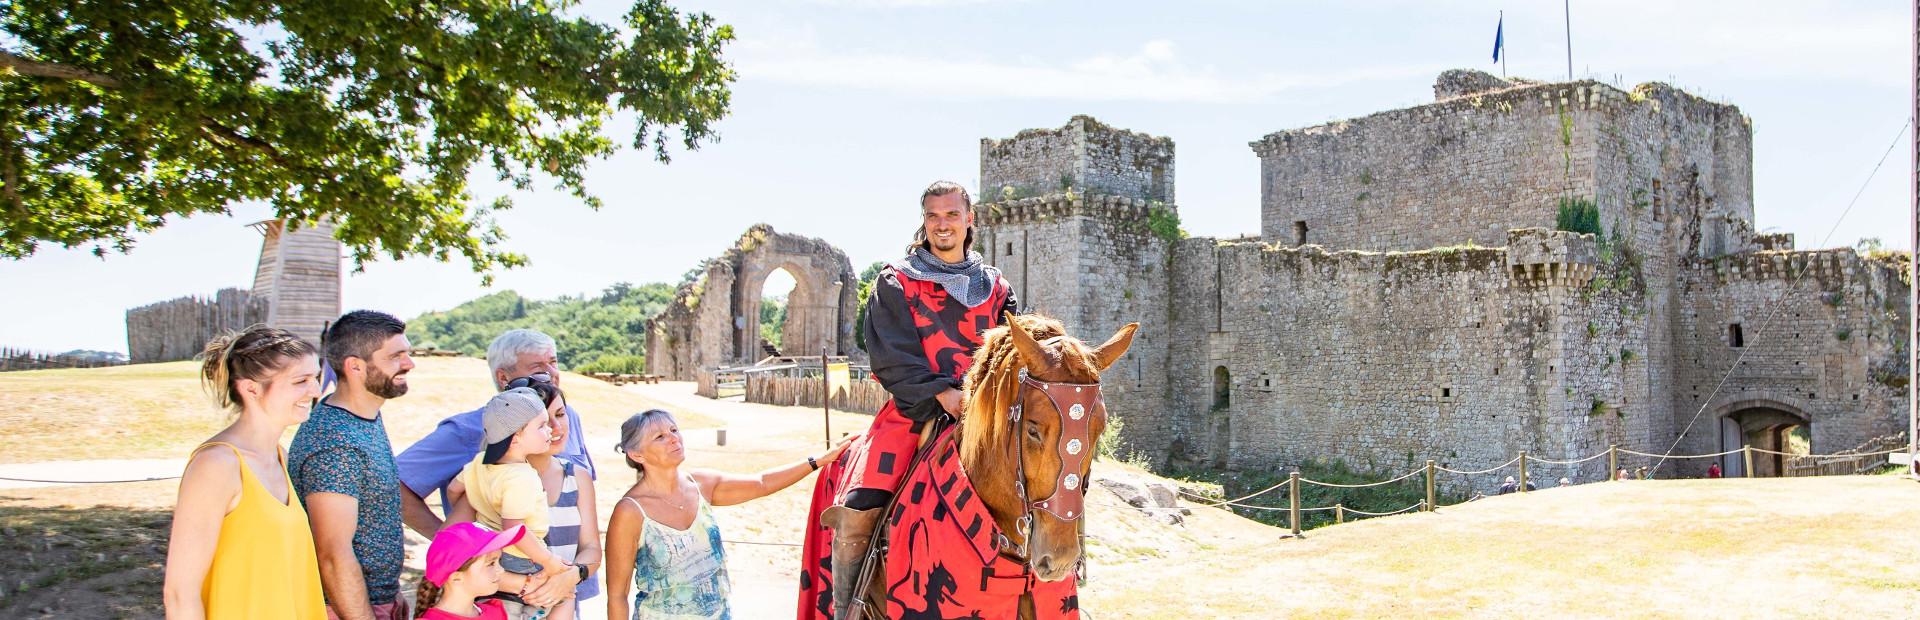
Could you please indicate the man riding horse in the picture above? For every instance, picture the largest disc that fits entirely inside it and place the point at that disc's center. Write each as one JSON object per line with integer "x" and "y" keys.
{"x": 924, "y": 321}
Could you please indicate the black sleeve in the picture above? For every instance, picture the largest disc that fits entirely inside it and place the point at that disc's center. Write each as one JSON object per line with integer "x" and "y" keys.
{"x": 1011, "y": 306}
{"x": 899, "y": 359}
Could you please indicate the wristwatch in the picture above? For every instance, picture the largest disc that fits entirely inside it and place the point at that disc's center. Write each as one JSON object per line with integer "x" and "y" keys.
{"x": 812, "y": 463}
{"x": 583, "y": 571}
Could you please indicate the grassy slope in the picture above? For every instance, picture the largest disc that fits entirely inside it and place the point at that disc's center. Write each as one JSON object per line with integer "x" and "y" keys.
{"x": 158, "y": 410}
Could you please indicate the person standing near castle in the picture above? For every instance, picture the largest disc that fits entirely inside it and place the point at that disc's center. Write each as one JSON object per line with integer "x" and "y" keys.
{"x": 924, "y": 321}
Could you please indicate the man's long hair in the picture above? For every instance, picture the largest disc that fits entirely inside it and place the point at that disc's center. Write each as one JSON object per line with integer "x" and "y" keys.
{"x": 941, "y": 188}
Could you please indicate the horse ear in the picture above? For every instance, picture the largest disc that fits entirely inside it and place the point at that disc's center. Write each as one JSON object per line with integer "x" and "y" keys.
{"x": 1030, "y": 350}
{"x": 1110, "y": 351}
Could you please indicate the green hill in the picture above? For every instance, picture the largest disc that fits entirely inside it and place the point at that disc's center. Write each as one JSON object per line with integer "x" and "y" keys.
{"x": 606, "y": 333}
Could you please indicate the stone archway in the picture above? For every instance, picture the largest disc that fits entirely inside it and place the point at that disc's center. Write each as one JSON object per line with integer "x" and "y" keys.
{"x": 714, "y": 321}
{"x": 1762, "y": 424}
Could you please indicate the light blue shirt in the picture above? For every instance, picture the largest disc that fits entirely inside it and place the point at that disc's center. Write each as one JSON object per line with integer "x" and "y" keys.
{"x": 431, "y": 463}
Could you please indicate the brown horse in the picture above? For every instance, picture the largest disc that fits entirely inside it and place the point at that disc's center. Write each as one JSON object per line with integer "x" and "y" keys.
{"x": 1023, "y": 448}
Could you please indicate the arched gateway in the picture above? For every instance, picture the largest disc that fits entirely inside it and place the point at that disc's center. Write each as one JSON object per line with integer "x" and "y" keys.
{"x": 714, "y": 321}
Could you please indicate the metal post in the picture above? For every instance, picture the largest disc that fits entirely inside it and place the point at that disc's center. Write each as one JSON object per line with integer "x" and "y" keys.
{"x": 1567, "y": 6}
{"x": 1613, "y": 460}
{"x": 826, "y": 411}
{"x": 1293, "y": 501}
{"x": 1523, "y": 471}
{"x": 1339, "y": 513}
{"x": 1913, "y": 266}
{"x": 1746, "y": 454}
{"x": 1430, "y": 506}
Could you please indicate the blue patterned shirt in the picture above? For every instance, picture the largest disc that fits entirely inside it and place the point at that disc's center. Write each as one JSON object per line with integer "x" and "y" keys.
{"x": 338, "y": 452}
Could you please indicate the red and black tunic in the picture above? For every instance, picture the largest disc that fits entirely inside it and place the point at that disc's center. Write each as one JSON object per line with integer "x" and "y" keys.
{"x": 921, "y": 342}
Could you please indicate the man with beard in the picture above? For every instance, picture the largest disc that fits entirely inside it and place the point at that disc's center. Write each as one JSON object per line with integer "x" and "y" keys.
{"x": 343, "y": 470}
{"x": 923, "y": 324}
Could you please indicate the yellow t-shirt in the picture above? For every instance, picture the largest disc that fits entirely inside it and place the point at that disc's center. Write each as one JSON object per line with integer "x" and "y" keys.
{"x": 507, "y": 491}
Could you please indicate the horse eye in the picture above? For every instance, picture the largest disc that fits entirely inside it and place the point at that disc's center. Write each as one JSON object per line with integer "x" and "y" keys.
{"x": 1033, "y": 433}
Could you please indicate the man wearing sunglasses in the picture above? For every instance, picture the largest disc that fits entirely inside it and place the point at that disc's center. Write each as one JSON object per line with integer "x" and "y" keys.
{"x": 515, "y": 359}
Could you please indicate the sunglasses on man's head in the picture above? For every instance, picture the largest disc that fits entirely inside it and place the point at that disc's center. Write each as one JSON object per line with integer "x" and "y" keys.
{"x": 529, "y": 380}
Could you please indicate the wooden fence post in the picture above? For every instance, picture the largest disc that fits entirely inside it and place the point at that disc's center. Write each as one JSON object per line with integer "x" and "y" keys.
{"x": 1523, "y": 471}
{"x": 1430, "y": 506}
{"x": 1293, "y": 501}
{"x": 1746, "y": 455}
{"x": 1339, "y": 513}
{"x": 1613, "y": 460}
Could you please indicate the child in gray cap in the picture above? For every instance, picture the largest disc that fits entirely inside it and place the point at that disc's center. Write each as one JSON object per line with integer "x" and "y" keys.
{"x": 505, "y": 491}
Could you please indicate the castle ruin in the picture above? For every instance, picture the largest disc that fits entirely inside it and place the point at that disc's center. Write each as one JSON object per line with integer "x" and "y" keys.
{"x": 1410, "y": 296}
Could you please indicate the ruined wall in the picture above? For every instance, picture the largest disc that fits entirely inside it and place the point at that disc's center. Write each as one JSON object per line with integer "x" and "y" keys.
{"x": 714, "y": 321}
{"x": 1084, "y": 155}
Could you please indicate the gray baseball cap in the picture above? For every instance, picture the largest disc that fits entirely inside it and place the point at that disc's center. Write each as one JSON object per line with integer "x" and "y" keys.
{"x": 509, "y": 412}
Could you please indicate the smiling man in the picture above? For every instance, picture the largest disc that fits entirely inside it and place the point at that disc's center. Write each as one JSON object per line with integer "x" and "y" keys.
{"x": 923, "y": 323}
{"x": 342, "y": 469}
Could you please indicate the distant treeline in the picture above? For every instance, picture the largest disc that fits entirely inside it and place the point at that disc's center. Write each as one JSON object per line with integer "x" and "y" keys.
{"x": 606, "y": 333}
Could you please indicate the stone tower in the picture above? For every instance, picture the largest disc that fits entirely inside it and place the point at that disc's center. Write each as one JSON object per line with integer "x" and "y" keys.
{"x": 1070, "y": 215}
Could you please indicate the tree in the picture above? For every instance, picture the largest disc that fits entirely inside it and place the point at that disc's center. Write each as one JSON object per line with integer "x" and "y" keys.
{"x": 867, "y": 277}
{"x": 117, "y": 114}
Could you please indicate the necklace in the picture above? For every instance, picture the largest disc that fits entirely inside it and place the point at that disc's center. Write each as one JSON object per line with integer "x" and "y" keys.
{"x": 664, "y": 499}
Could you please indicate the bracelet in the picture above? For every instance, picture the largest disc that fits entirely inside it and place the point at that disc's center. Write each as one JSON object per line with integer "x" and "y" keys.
{"x": 812, "y": 463}
{"x": 583, "y": 571}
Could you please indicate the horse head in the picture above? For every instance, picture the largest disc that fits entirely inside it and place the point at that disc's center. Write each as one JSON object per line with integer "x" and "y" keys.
{"x": 1028, "y": 434}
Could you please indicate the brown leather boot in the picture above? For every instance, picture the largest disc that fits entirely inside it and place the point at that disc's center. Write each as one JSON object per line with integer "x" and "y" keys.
{"x": 852, "y": 533}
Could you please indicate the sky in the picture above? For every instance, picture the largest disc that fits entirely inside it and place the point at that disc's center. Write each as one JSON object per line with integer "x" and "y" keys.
{"x": 845, "y": 109}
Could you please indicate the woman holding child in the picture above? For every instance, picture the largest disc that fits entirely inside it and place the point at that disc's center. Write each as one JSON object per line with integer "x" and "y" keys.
{"x": 663, "y": 543}
{"x": 240, "y": 545}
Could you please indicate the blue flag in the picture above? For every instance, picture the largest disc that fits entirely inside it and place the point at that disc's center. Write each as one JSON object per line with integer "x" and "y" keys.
{"x": 1498, "y": 32}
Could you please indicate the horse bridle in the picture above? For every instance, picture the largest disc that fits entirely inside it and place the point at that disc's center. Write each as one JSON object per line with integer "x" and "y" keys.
{"x": 1068, "y": 502}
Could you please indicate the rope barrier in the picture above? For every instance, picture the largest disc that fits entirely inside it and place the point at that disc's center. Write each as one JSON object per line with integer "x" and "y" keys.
{"x": 87, "y": 481}
{"x": 1680, "y": 456}
{"x": 1575, "y": 462}
{"x": 1230, "y": 501}
{"x": 1387, "y": 514}
{"x": 1480, "y": 471}
{"x": 1362, "y": 486}
{"x": 764, "y": 544}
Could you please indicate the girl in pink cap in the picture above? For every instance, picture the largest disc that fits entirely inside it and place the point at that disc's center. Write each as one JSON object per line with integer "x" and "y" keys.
{"x": 463, "y": 564}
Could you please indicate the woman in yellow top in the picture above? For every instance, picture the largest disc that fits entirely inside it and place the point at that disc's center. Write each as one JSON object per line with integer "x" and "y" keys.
{"x": 240, "y": 546}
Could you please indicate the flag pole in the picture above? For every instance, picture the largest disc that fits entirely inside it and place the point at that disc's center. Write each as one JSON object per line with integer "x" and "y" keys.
{"x": 1567, "y": 9}
{"x": 1503, "y": 42}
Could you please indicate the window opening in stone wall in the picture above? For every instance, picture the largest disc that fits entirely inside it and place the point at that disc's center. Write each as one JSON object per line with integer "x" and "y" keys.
{"x": 1734, "y": 337}
{"x": 1659, "y": 206}
{"x": 1159, "y": 182}
{"x": 1009, "y": 248}
{"x": 1222, "y": 388}
{"x": 1300, "y": 233}
{"x": 1446, "y": 393}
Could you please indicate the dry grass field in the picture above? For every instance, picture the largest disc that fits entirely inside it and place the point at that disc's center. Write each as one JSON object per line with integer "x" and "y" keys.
{"x": 1819, "y": 547}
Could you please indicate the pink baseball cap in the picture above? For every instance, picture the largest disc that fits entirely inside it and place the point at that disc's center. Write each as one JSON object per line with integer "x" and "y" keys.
{"x": 457, "y": 543}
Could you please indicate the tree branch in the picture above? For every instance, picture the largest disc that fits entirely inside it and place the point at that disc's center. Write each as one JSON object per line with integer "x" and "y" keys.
{"x": 25, "y": 66}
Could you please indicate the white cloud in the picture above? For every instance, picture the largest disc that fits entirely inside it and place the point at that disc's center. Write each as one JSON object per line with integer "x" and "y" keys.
{"x": 1153, "y": 72}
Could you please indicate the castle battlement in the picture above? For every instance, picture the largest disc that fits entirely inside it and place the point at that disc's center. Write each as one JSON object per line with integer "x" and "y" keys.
{"x": 1085, "y": 156}
{"x": 1040, "y": 208}
{"x": 1541, "y": 257}
{"x": 1785, "y": 264}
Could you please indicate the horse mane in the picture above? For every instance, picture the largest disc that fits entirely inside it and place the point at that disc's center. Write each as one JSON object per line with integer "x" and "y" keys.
{"x": 994, "y": 380}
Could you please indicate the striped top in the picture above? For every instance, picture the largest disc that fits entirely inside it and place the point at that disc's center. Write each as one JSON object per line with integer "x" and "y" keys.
{"x": 563, "y": 532}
